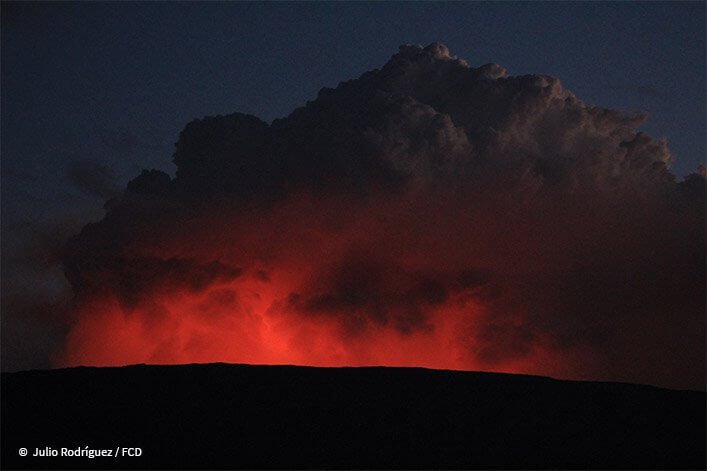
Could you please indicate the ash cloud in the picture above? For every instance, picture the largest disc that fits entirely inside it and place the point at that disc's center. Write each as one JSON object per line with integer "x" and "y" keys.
{"x": 500, "y": 215}
{"x": 133, "y": 279}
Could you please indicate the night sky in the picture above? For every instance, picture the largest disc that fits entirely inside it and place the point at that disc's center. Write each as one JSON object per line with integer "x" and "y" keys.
{"x": 94, "y": 93}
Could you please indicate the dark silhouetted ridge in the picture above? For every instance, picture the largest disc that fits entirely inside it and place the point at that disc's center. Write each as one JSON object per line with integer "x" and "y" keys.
{"x": 239, "y": 416}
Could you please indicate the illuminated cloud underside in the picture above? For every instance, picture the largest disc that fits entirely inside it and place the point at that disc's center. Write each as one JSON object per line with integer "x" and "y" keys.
{"x": 424, "y": 214}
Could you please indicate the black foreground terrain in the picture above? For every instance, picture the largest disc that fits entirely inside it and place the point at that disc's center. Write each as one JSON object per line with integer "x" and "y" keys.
{"x": 239, "y": 416}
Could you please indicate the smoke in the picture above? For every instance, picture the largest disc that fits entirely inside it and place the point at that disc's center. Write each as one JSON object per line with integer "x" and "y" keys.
{"x": 427, "y": 214}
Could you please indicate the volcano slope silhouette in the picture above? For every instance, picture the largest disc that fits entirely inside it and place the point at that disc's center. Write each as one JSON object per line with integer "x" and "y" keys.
{"x": 239, "y": 416}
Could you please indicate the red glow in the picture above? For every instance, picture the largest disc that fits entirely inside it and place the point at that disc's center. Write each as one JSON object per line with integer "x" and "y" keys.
{"x": 250, "y": 319}
{"x": 257, "y": 327}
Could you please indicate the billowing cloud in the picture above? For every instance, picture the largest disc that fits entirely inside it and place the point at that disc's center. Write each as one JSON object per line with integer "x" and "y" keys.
{"x": 427, "y": 213}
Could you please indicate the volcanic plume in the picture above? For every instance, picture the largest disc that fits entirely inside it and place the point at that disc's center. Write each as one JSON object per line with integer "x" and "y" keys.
{"x": 428, "y": 214}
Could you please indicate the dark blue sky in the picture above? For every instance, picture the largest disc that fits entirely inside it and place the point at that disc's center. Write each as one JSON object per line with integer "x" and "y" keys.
{"x": 116, "y": 82}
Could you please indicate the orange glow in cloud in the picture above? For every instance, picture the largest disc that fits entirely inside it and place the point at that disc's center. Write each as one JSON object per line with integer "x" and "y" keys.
{"x": 251, "y": 320}
{"x": 256, "y": 326}
{"x": 425, "y": 214}
{"x": 336, "y": 283}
